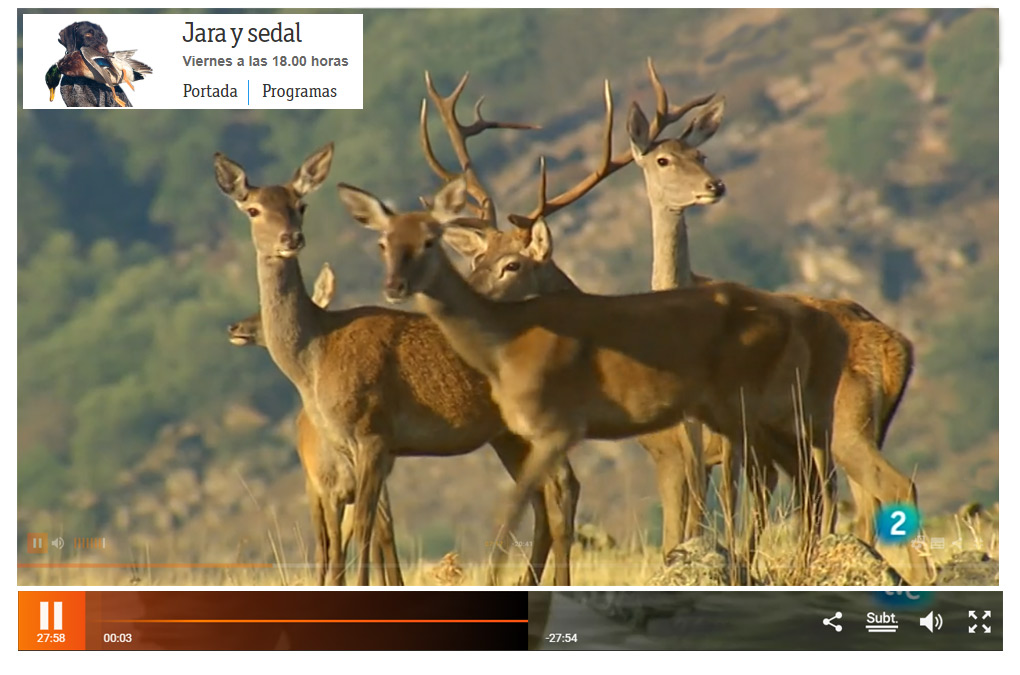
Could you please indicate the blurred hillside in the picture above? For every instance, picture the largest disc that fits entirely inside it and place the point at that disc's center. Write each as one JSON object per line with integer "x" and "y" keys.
{"x": 860, "y": 152}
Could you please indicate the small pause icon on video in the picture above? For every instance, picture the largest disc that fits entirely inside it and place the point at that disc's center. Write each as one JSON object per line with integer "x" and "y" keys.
{"x": 44, "y": 616}
{"x": 37, "y": 542}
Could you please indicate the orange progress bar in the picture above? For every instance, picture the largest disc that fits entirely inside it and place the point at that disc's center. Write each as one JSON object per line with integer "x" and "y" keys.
{"x": 314, "y": 621}
{"x": 149, "y": 565}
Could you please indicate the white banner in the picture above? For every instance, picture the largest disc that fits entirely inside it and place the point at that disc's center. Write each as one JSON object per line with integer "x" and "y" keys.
{"x": 224, "y": 61}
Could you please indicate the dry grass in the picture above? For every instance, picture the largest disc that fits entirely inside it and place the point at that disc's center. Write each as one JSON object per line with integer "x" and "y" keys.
{"x": 628, "y": 565}
{"x": 283, "y": 556}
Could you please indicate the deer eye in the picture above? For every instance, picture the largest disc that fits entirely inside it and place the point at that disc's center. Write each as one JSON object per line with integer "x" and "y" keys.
{"x": 428, "y": 243}
{"x": 662, "y": 161}
{"x": 253, "y": 212}
{"x": 382, "y": 246}
{"x": 512, "y": 266}
{"x": 301, "y": 208}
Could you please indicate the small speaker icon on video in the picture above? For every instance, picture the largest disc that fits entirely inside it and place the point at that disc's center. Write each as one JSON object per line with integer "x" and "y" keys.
{"x": 57, "y": 543}
{"x": 932, "y": 621}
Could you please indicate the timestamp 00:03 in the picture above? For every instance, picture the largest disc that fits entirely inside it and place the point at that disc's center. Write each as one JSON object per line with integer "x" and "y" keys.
{"x": 561, "y": 637}
{"x": 116, "y": 637}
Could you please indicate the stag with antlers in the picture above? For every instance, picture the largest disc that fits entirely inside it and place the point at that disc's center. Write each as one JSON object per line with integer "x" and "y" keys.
{"x": 376, "y": 383}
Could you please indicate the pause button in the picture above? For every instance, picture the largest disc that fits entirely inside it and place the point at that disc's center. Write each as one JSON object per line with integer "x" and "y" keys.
{"x": 37, "y": 542}
{"x": 58, "y": 616}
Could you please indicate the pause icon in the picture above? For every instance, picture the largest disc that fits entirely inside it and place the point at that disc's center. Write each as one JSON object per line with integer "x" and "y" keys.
{"x": 44, "y": 616}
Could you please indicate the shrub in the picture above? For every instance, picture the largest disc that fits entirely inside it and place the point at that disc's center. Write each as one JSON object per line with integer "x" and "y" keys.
{"x": 876, "y": 128}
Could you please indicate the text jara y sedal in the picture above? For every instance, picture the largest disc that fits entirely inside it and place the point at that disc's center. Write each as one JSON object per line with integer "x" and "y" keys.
{"x": 232, "y": 35}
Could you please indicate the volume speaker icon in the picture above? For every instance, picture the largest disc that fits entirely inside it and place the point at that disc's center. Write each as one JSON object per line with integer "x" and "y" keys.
{"x": 932, "y": 621}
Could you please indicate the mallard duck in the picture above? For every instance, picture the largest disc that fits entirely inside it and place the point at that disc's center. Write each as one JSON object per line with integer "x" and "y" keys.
{"x": 111, "y": 69}
{"x": 53, "y": 79}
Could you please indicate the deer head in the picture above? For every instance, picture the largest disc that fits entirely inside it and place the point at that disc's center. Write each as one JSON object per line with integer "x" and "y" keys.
{"x": 511, "y": 265}
{"x": 674, "y": 168}
{"x": 276, "y": 212}
{"x": 247, "y": 332}
{"x": 409, "y": 242}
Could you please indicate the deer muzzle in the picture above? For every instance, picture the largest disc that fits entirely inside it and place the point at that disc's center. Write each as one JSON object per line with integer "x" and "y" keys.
{"x": 395, "y": 289}
{"x": 239, "y": 335}
{"x": 290, "y": 244}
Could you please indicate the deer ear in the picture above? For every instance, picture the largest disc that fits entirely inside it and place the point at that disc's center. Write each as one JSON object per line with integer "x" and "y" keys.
{"x": 467, "y": 241}
{"x": 364, "y": 207}
{"x": 325, "y": 287}
{"x": 450, "y": 201}
{"x": 705, "y": 123}
{"x": 231, "y": 177}
{"x": 540, "y": 247}
{"x": 310, "y": 175}
{"x": 637, "y": 130}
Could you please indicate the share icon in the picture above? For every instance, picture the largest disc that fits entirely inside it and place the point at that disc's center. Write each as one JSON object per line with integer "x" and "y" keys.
{"x": 831, "y": 619}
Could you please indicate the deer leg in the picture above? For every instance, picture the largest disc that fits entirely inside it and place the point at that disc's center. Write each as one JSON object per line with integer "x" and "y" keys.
{"x": 713, "y": 448}
{"x": 561, "y": 492}
{"x": 319, "y": 528}
{"x": 858, "y": 455}
{"x": 546, "y": 450}
{"x": 512, "y": 452}
{"x": 371, "y": 469}
{"x": 856, "y": 451}
{"x": 733, "y": 459}
{"x": 382, "y": 557}
{"x": 333, "y": 513}
{"x": 771, "y": 453}
{"x": 377, "y": 559}
{"x": 696, "y": 506}
{"x": 347, "y": 534}
{"x": 865, "y": 507}
{"x": 761, "y": 482}
{"x": 385, "y": 543}
{"x": 670, "y": 474}
{"x": 821, "y": 455}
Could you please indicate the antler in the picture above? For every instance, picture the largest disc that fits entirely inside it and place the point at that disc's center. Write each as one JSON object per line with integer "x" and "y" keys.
{"x": 607, "y": 165}
{"x": 459, "y": 134}
{"x": 665, "y": 114}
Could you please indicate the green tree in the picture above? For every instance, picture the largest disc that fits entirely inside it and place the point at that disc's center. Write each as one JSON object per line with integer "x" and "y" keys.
{"x": 738, "y": 250}
{"x": 876, "y": 128}
{"x": 966, "y": 65}
{"x": 966, "y": 357}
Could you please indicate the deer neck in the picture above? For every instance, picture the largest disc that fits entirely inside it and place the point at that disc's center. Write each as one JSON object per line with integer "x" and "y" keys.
{"x": 555, "y": 280}
{"x": 671, "y": 255}
{"x": 289, "y": 324}
{"x": 467, "y": 320}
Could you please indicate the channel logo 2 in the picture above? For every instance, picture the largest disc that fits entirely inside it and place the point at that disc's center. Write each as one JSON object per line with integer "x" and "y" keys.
{"x": 51, "y": 620}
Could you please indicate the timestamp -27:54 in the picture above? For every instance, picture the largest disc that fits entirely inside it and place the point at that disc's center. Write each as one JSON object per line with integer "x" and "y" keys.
{"x": 561, "y": 637}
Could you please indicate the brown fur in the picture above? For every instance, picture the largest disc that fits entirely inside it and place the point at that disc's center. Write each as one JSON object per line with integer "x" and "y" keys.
{"x": 567, "y": 367}
{"x": 877, "y": 369}
{"x": 376, "y": 383}
{"x": 320, "y": 479}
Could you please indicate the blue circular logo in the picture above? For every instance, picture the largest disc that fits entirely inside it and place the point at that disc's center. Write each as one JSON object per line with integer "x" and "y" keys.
{"x": 900, "y": 597}
{"x": 897, "y": 523}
